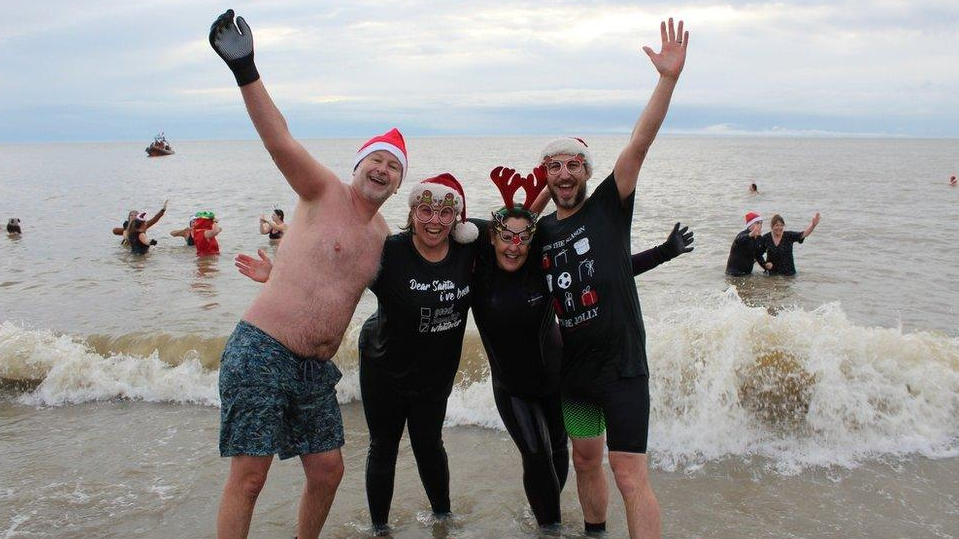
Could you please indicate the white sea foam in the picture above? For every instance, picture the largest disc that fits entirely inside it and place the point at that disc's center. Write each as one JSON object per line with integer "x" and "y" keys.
{"x": 800, "y": 388}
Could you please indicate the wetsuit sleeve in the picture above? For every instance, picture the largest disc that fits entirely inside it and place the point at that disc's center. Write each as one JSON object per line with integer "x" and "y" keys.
{"x": 647, "y": 260}
{"x": 759, "y": 250}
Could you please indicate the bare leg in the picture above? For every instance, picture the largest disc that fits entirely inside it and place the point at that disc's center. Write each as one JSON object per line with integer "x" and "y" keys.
{"x": 590, "y": 478}
{"x": 323, "y": 474}
{"x": 247, "y": 476}
{"x": 642, "y": 510}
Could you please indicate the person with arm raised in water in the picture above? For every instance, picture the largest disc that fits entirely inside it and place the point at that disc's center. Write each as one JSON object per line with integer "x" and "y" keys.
{"x": 778, "y": 245}
{"x": 586, "y": 255}
{"x": 277, "y": 382}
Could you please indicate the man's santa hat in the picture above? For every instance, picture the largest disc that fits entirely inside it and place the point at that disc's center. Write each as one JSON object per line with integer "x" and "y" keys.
{"x": 753, "y": 217}
{"x": 391, "y": 141}
{"x": 445, "y": 188}
{"x": 569, "y": 146}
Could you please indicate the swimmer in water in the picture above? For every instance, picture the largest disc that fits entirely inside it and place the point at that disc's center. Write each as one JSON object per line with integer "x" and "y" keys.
{"x": 185, "y": 233}
{"x": 745, "y": 248}
{"x": 122, "y": 229}
{"x": 13, "y": 227}
{"x": 952, "y": 180}
{"x": 135, "y": 236}
{"x": 778, "y": 246}
{"x": 274, "y": 227}
{"x": 753, "y": 190}
{"x": 205, "y": 229}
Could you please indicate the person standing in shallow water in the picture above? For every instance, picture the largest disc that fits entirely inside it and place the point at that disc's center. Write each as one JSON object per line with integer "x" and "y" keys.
{"x": 277, "y": 382}
{"x": 585, "y": 248}
{"x": 777, "y": 245}
{"x": 275, "y": 227}
{"x": 744, "y": 251}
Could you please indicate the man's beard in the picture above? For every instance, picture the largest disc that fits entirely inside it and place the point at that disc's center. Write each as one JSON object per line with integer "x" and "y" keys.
{"x": 577, "y": 200}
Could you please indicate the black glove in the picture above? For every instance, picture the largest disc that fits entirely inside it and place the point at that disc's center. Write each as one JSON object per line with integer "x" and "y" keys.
{"x": 677, "y": 243}
{"x": 235, "y": 46}
{"x": 153, "y": 242}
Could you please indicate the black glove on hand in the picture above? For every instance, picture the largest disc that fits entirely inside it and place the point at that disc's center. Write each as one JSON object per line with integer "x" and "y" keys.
{"x": 234, "y": 43}
{"x": 677, "y": 243}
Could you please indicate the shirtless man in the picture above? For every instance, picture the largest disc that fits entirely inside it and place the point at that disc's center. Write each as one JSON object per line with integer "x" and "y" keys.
{"x": 276, "y": 378}
{"x": 585, "y": 252}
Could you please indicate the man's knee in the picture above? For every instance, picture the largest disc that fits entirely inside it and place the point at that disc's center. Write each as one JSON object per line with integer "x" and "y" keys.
{"x": 588, "y": 455}
{"x": 630, "y": 472}
{"x": 248, "y": 482}
{"x": 323, "y": 470}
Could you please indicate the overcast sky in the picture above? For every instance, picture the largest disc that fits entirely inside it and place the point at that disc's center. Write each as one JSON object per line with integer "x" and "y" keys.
{"x": 111, "y": 70}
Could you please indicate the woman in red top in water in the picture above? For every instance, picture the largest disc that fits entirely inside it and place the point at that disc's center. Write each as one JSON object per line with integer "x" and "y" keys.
{"x": 205, "y": 229}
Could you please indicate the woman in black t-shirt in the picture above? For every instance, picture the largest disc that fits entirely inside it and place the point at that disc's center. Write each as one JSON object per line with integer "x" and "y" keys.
{"x": 410, "y": 348}
{"x": 778, "y": 246}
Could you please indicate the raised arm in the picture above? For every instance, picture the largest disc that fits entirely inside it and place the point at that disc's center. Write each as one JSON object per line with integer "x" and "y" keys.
{"x": 265, "y": 226}
{"x": 234, "y": 44}
{"x": 678, "y": 242}
{"x": 669, "y": 63}
{"x": 156, "y": 218}
{"x": 811, "y": 227}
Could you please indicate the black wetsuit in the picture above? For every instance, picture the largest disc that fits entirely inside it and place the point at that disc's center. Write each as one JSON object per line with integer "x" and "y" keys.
{"x": 409, "y": 353}
{"x": 516, "y": 324}
{"x": 781, "y": 256}
{"x": 744, "y": 251}
{"x": 276, "y": 235}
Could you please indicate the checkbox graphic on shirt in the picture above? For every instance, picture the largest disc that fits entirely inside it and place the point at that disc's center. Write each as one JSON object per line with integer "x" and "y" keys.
{"x": 426, "y": 314}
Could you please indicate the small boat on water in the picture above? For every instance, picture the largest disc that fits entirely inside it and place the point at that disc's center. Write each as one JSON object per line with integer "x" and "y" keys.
{"x": 159, "y": 146}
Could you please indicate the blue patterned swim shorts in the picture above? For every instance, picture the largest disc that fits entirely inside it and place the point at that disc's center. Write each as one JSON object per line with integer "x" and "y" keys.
{"x": 273, "y": 401}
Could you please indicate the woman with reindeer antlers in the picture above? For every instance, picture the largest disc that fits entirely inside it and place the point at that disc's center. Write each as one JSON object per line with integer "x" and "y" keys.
{"x": 518, "y": 328}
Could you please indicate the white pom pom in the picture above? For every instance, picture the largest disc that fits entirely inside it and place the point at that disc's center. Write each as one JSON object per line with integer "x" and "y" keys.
{"x": 465, "y": 232}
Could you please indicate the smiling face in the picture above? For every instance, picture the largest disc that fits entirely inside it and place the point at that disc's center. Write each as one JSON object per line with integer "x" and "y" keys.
{"x": 777, "y": 225}
{"x": 511, "y": 253}
{"x": 567, "y": 188}
{"x": 432, "y": 223}
{"x": 377, "y": 176}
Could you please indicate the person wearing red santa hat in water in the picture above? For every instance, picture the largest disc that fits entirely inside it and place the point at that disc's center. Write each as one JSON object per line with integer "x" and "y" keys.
{"x": 277, "y": 380}
{"x": 745, "y": 248}
{"x": 410, "y": 348}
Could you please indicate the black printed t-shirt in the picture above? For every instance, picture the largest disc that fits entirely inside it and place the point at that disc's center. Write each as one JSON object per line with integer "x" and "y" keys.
{"x": 587, "y": 261}
{"x": 413, "y": 342}
{"x": 742, "y": 254}
{"x": 515, "y": 319}
{"x": 781, "y": 255}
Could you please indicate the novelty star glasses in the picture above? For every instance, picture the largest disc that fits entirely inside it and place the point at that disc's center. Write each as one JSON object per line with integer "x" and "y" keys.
{"x": 553, "y": 168}
{"x": 424, "y": 214}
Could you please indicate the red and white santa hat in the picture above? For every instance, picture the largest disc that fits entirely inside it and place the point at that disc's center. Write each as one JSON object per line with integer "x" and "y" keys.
{"x": 569, "y": 146}
{"x": 391, "y": 141}
{"x": 753, "y": 217}
{"x": 445, "y": 187}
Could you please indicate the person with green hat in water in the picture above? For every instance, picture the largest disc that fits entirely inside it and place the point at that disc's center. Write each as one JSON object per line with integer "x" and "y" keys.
{"x": 205, "y": 229}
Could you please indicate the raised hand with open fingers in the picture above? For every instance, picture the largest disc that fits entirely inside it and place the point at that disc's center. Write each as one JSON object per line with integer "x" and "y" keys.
{"x": 670, "y": 59}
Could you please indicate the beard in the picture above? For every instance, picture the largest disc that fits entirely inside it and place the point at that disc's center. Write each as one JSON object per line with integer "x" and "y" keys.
{"x": 578, "y": 198}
